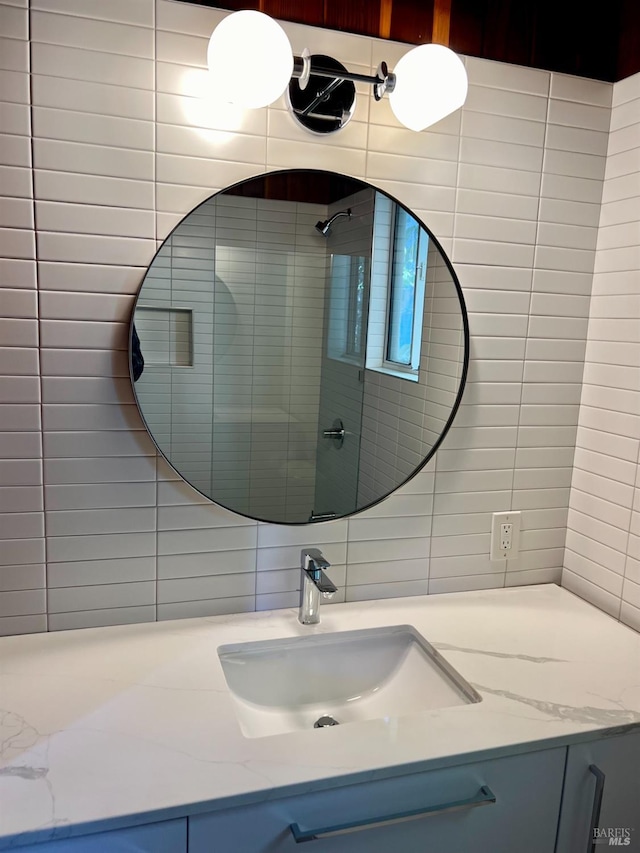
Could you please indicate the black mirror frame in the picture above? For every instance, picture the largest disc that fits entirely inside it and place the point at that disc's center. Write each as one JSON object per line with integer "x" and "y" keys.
{"x": 463, "y": 375}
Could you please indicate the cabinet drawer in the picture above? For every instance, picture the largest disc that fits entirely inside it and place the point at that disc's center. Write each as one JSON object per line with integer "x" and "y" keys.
{"x": 170, "y": 836}
{"x": 523, "y": 817}
{"x": 602, "y": 784}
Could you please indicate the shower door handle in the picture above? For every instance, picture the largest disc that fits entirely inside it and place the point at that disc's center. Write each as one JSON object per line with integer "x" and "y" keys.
{"x": 334, "y": 433}
{"x": 337, "y": 432}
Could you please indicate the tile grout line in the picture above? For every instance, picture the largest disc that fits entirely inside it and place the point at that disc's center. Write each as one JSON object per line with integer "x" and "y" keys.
{"x": 536, "y": 245}
{"x": 29, "y": 12}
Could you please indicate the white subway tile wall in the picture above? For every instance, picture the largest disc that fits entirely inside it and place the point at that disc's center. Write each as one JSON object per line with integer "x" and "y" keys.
{"x": 602, "y": 561}
{"x": 124, "y": 143}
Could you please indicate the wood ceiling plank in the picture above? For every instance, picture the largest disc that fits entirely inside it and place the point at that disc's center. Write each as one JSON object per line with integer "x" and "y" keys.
{"x": 310, "y": 12}
{"x": 466, "y": 33}
{"x": 232, "y": 5}
{"x": 386, "y": 11}
{"x": 353, "y": 16}
{"x": 571, "y": 40}
{"x": 412, "y": 21}
{"x": 441, "y": 22}
{"x": 628, "y": 55}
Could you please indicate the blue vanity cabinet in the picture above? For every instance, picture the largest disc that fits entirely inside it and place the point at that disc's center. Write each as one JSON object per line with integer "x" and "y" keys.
{"x": 602, "y": 787}
{"x": 168, "y": 836}
{"x": 496, "y": 806}
{"x": 536, "y": 802}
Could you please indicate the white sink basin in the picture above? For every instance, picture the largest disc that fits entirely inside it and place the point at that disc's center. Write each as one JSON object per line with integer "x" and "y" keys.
{"x": 286, "y": 685}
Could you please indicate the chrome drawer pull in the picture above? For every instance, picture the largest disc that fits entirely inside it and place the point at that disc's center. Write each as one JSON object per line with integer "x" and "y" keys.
{"x": 597, "y": 806}
{"x": 484, "y": 797}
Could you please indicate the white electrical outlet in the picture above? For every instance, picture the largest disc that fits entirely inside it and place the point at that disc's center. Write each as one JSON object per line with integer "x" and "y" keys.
{"x": 505, "y": 535}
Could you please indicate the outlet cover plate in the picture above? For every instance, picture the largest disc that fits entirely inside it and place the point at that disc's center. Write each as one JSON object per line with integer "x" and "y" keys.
{"x": 497, "y": 552}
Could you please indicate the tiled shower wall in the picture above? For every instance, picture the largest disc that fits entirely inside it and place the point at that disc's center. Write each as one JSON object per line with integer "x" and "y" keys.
{"x": 402, "y": 420}
{"x": 602, "y": 561}
{"x": 247, "y": 366}
{"x": 104, "y": 149}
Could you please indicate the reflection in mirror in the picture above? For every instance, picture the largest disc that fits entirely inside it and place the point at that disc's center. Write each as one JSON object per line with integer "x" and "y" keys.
{"x": 305, "y": 345}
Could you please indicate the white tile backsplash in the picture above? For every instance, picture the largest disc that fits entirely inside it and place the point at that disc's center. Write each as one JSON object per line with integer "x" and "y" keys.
{"x": 97, "y": 618}
{"x": 89, "y": 33}
{"x": 512, "y": 185}
{"x": 50, "y": 123}
{"x": 77, "y": 63}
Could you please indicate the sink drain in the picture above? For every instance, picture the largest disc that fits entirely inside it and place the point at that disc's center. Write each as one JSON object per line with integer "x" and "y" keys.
{"x": 322, "y": 722}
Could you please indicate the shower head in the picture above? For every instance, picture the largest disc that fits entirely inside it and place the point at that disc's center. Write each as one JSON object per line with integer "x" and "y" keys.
{"x": 325, "y": 227}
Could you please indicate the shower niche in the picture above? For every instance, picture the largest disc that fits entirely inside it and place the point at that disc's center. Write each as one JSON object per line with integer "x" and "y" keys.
{"x": 317, "y": 305}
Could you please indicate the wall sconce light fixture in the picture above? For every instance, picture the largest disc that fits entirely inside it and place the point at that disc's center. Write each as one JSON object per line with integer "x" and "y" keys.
{"x": 252, "y": 64}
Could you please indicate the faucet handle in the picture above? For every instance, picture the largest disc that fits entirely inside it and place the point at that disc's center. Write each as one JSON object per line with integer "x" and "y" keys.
{"x": 313, "y": 558}
{"x": 313, "y": 564}
{"x": 325, "y": 585}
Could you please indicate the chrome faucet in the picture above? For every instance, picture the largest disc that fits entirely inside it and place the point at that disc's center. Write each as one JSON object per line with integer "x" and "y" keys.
{"x": 313, "y": 583}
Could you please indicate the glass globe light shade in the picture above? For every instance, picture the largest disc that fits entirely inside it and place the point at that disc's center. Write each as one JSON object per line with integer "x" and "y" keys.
{"x": 431, "y": 82}
{"x": 250, "y": 58}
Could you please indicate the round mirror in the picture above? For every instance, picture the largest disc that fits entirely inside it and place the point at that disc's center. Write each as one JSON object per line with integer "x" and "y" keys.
{"x": 299, "y": 346}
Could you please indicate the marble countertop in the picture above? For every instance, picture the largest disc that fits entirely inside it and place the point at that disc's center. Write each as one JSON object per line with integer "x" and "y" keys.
{"x": 109, "y": 727}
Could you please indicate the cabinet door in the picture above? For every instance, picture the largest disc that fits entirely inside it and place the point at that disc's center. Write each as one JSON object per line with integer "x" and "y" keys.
{"x": 170, "y": 836}
{"x": 523, "y": 817}
{"x": 615, "y": 774}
